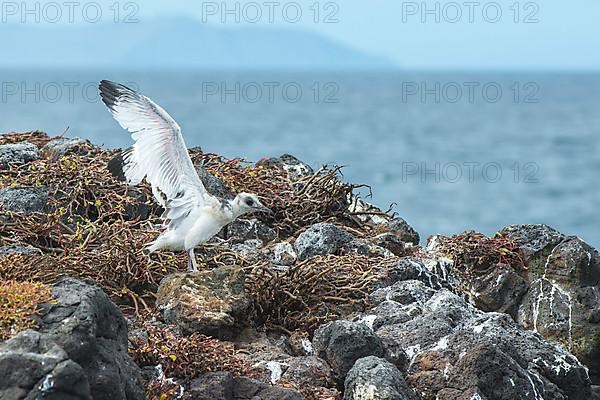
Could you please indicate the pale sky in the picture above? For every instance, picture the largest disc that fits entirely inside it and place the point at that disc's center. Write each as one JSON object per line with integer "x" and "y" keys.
{"x": 469, "y": 34}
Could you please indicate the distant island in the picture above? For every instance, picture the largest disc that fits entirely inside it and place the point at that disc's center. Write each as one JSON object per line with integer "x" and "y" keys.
{"x": 158, "y": 44}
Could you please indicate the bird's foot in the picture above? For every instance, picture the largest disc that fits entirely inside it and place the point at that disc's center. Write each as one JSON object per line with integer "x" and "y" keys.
{"x": 192, "y": 268}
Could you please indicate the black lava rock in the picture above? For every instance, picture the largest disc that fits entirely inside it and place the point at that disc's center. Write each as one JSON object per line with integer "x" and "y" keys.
{"x": 375, "y": 378}
{"x": 341, "y": 343}
{"x": 224, "y": 386}
{"x": 80, "y": 351}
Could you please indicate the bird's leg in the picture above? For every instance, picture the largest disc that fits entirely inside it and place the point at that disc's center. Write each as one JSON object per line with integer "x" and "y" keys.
{"x": 192, "y": 265}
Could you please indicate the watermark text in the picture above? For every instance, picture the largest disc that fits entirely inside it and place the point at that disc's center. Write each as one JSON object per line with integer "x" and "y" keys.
{"x": 471, "y": 92}
{"x": 68, "y": 12}
{"x": 470, "y": 12}
{"x": 455, "y": 172}
{"x": 271, "y": 92}
{"x": 270, "y": 12}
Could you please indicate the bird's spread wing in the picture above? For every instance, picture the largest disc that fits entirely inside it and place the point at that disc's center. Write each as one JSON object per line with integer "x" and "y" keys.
{"x": 159, "y": 152}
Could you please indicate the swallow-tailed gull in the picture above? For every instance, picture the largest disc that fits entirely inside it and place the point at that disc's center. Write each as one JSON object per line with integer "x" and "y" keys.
{"x": 192, "y": 215}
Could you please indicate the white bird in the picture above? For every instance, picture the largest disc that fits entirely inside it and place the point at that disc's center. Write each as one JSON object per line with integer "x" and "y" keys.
{"x": 192, "y": 215}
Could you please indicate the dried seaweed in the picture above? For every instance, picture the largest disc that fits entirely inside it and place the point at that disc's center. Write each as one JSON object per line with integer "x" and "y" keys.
{"x": 38, "y": 138}
{"x": 315, "y": 291}
{"x": 19, "y": 304}
{"x": 97, "y": 226}
{"x": 186, "y": 357}
{"x": 474, "y": 253}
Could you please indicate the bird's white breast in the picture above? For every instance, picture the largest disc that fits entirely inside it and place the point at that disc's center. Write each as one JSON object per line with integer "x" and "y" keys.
{"x": 205, "y": 222}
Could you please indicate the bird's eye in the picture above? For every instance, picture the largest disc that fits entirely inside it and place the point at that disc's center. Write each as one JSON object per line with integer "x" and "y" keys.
{"x": 249, "y": 202}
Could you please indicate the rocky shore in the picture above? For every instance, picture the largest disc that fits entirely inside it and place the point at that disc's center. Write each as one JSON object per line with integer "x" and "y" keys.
{"x": 330, "y": 298}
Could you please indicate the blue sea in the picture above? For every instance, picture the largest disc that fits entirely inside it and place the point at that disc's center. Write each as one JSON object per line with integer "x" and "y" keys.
{"x": 453, "y": 151}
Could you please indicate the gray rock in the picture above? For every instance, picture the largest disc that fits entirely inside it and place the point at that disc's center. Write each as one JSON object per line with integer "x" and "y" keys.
{"x": 366, "y": 248}
{"x": 31, "y": 366}
{"x": 272, "y": 362}
{"x": 506, "y": 363}
{"x": 321, "y": 239}
{"x": 241, "y": 230}
{"x": 213, "y": 386}
{"x": 499, "y": 375}
{"x": 283, "y": 253}
{"x": 251, "y": 389}
{"x": 404, "y": 292}
{"x": 573, "y": 262}
{"x": 19, "y": 249}
{"x": 391, "y": 242}
{"x": 403, "y": 230}
{"x": 299, "y": 344}
{"x": 80, "y": 351}
{"x": 563, "y": 303}
{"x": 411, "y": 268}
{"x": 224, "y": 386}
{"x": 341, "y": 343}
{"x": 388, "y": 313}
{"x": 308, "y": 372}
{"x": 25, "y": 200}
{"x": 266, "y": 353}
{"x": 63, "y": 146}
{"x": 558, "y": 296}
{"x": 373, "y": 378}
{"x": 211, "y": 302}
{"x": 536, "y": 241}
{"x": 250, "y": 250}
{"x": 454, "y": 349}
{"x": 93, "y": 332}
{"x": 289, "y": 163}
{"x": 18, "y": 153}
{"x": 501, "y": 289}
{"x": 419, "y": 326}
{"x": 115, "y": 167}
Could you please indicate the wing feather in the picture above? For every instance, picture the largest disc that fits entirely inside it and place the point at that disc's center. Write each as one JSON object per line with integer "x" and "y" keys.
{"x": 159, "y": 153}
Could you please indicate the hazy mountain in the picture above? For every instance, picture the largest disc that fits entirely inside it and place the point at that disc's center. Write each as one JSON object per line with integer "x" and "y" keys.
{"x": 174, "y": 43}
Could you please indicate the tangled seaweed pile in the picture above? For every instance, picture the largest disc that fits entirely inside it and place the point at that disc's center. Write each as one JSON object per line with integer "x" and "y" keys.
{"x": 318, "y": 290}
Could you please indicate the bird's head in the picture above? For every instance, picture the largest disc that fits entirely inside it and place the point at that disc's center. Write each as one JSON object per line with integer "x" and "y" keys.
{"x": 245, "y": 203}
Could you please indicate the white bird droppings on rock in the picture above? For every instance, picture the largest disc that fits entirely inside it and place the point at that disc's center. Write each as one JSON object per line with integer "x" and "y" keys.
{"x": 368, "y": 320}
{"x": 307, "y": 345}
{"x": 365, "y": 392}
{"x": 276, "y": 370}
{"x": 47, "y": 384}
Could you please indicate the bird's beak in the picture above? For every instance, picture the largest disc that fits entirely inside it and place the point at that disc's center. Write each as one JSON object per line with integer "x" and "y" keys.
{"x": 264, "y": 209}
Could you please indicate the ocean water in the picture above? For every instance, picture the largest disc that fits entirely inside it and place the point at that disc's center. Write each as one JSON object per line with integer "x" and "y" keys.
{"x": 452, "y": 151}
